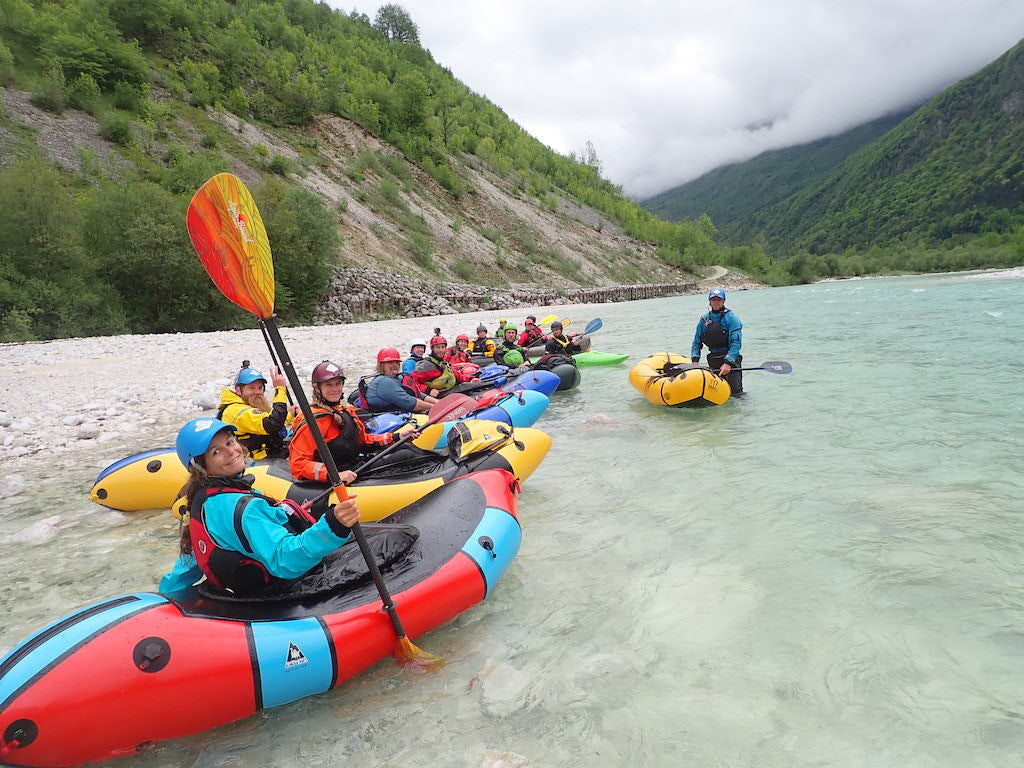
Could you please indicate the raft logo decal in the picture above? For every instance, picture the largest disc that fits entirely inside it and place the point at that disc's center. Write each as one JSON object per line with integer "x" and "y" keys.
{"x": 295, "y": 656}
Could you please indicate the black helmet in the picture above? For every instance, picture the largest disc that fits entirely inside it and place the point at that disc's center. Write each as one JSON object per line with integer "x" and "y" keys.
{"x": 556, "y": 324}
{"x": 481, "y": 327}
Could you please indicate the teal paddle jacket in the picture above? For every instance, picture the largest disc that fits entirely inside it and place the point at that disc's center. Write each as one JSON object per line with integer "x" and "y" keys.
{"x": 261, "y": 523}
{"x": 727, "y": 343}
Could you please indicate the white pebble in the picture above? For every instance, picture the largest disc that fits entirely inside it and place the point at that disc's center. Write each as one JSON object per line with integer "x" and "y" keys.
{"x": 72, "y": 421}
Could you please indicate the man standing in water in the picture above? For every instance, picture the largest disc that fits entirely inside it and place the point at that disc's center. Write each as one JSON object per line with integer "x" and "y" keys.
{"x": 721, "y": 331}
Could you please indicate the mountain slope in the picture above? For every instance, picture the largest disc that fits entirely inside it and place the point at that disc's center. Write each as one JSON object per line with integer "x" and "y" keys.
{"x": 359, "y": 148}
{"x": 733, "y": 194}
{"x": 955, "y": 166}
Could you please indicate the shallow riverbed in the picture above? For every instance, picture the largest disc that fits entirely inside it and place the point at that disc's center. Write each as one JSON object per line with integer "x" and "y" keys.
{"x": 826, "y": 572}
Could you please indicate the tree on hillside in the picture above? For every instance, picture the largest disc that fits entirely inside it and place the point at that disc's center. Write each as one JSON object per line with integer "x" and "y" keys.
{"x": 587, "y": 156}
{"x": 395, "y": 23}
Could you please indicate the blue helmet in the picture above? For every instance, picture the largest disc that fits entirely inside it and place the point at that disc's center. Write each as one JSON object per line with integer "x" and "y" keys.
{"x": 717, "y": 293}
{"x": 248, "y": 376}
{"x": 194, "y": 438}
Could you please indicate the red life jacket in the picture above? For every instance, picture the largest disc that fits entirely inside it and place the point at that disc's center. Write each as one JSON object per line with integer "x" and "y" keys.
{"x": 226, "y": 568}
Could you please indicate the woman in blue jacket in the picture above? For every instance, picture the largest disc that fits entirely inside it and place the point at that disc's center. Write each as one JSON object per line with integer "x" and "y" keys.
{"x": 241, "y": 540}
{"x": 721, "y": 331}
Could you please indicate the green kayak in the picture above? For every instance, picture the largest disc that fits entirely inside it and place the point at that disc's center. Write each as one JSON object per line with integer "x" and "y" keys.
{"x": 599, "y": 358}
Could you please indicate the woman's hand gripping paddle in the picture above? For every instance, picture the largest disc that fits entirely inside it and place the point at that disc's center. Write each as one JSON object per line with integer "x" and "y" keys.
{"x": 228, "y": 234}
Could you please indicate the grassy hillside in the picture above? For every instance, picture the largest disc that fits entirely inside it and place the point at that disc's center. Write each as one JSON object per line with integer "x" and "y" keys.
{"x": 359, "y": 149}
{"x": 733, "y": 194}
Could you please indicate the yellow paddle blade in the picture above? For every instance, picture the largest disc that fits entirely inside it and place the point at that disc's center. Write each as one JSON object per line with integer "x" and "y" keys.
{"x": 565, "y": 322}
{"x": 228, "y": 234}
{"x": 413, "y": 658}
{"x": 548, "y": 320}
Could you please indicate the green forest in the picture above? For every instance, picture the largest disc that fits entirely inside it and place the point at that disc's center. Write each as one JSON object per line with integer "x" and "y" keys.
{"x": 86, "y": 253}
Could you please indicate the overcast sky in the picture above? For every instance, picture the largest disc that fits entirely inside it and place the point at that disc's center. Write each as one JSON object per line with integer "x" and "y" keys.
{"x": 669, "y": 89}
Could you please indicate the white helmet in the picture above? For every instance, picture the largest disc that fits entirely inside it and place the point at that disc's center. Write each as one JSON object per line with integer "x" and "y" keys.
{"x": 417, "y": 343}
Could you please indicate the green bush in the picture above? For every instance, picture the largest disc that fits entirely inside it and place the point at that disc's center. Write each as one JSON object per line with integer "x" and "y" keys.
{"x": 129, "y": 97}
{"x": 464, "y": 269}
{"x": 391, "y": 194}
{"x": 237, "y": 102}
{"x": 84, "y": 93}
{"x": 189, "y": 172}
{"x": 117, "y": 127}
{"x": 282, "y": 165}
{"x": 51, "y": 92}
{"x": 421, "y": 248}
{"x": 6, "y": 64}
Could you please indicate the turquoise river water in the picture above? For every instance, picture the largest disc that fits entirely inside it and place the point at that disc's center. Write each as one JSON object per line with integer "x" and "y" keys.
{"x": 827, "y": 572}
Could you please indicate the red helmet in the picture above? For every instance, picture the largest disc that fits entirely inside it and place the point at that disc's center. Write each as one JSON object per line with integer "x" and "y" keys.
{"x": 438, "y": 340}
{"x": 388, "y": 354}
{"x": 326, "y": 371}
{"x": 462, "y": 337}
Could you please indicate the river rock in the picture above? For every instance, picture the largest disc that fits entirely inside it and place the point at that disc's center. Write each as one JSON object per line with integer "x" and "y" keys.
{"x": 38, "y": 532}
{"x": 12, "y": 485}
{"x": 5, "y": 419}
{"x": 88, "y": 431}
{"x": 72, "y": 421}
{"x": 94, "y": 406}
{"x": 22, "y": 426}
{"x": 206, "y": 401}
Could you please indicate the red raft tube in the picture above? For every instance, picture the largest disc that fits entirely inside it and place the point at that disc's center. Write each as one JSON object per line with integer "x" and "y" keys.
{"x": 150, "y": 667}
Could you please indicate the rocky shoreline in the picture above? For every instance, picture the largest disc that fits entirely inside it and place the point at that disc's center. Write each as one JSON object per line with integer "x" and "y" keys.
{"x": 357, "y": 292}
{"x": 92, "y": 401}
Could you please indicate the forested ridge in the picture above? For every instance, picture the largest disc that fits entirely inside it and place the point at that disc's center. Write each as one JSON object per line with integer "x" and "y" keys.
{"x": 731, "y": 195}
{"x": 943, "y": 189}
{"x": 98, "y": 245}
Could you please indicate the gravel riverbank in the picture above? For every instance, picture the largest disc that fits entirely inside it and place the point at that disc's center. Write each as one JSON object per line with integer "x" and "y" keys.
{"x": 96, "y": 400}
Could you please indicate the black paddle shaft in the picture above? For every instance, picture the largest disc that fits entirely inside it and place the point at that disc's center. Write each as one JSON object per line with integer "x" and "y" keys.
{"x": 332, "y": 469}
{"x": 273, "y": 357}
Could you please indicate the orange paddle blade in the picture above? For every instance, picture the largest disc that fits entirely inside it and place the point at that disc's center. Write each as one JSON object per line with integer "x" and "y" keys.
{"x": 414, "y": 658}
{"x": 228, "y": 234}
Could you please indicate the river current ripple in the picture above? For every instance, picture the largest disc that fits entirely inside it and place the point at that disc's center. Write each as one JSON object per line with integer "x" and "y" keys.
{"x": 827, "y": 572}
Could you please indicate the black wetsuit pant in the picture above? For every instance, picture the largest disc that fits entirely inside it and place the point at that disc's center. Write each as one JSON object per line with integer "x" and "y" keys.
{"x": 735, "y": 378}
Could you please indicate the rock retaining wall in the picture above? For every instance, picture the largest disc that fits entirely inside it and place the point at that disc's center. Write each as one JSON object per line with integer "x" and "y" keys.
{"x": 359, "y": 294}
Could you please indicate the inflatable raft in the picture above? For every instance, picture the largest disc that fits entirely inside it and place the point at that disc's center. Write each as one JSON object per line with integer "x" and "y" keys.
{"x": 119, "y": 676}
{"x": 684, "y": 385}
{"x": 152, "y": 479}
{"x": 519, "y": 409}
{"x": 594, "y": 358}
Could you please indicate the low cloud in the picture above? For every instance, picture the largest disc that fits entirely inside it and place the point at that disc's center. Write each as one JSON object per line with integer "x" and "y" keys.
{"x": 667, "y": 91}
